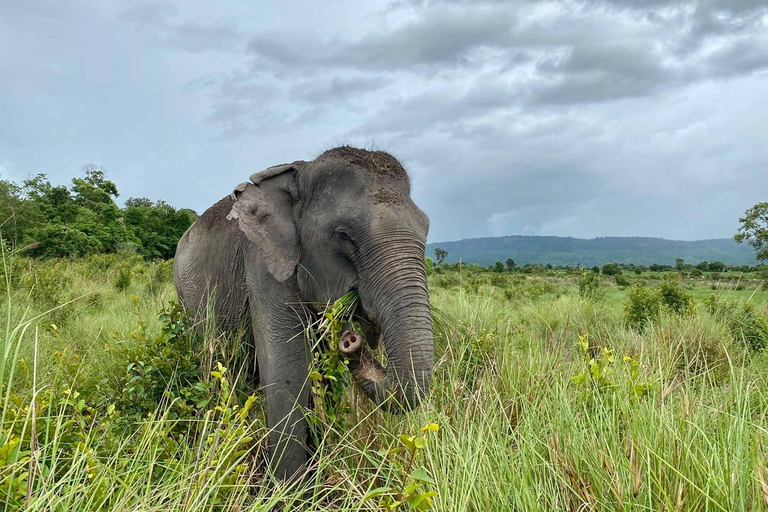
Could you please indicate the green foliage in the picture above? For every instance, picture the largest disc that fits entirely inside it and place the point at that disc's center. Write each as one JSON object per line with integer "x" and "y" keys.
{"x": 611, "y": 269}
{"x": 600, "y": 372}
{"x": 127, "y": 414}
{"x": 674, "y": 298}
{"x": 123, "y": 279}
{"x": 511, "y": 265}
{"x": 157, "y": 225}
{"x": 440, "y": 255}
{"x": 414, "y": 487}
{"x": 642, "y": 306}
{"x": 589, "y": 285}
{"x": 498, "y": 267}
{"x": 744, "y": 320}
{"x": 330, "y": 374}
{"x": 717, "y": 266}
{"x": 621, "y": 280}
{"x": 429, "y": 265}
{"x": 754, "y": 229}
{"x": 56, "y": 221}
{"x": 163, "y": 368}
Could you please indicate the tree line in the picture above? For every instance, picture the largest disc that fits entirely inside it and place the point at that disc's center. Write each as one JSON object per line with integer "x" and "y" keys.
{"x": 43, "y": 220}
{"x": 753, "y": 230}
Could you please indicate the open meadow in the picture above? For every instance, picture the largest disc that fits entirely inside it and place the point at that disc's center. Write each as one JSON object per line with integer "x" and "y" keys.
{"x": 552, "y": 391}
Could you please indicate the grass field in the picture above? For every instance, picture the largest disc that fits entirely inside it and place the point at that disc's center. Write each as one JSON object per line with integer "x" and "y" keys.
{"x": 548, "y": 394}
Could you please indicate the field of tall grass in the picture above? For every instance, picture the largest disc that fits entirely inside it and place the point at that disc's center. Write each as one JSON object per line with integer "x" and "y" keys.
{"x": 550, "y": 392}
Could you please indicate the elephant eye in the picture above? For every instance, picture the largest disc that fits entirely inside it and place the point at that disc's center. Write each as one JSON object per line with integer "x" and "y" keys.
{"x": 343, "y": 233}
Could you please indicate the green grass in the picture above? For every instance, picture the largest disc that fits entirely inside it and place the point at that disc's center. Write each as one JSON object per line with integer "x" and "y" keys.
{"x": 529, "y": 419}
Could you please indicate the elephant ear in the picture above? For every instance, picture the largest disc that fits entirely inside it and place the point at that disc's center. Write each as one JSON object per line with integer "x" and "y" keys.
{"x": 263, "y": 209}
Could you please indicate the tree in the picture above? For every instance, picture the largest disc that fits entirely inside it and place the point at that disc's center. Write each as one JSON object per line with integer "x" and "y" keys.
{"x": 429, "y": 265}
{"x": 511, "y": 265}
{"x": 440, "y": 255}
{"x": 498, "y": 267}
{"x": 158, "y": 226}
{"x": 754, "y": 229}
{"x": 679, "y": 263}
{"x": 717, "y": 266}
{"x": 611, "y": 269}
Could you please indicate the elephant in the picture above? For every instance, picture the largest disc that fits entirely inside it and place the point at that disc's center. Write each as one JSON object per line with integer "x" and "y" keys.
{"x": 297, "y": 236}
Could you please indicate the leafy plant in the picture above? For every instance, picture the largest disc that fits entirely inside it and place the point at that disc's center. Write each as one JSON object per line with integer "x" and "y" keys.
{"x": 600, "y": 373}
{"x": 414, "y": 486}
{"x": 642, "y": 306}
{"x": 589, "y": 285}
{"x": 330, "y": 375}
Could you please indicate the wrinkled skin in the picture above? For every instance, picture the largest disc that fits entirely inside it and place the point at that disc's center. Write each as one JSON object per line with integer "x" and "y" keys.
{"x": 307, "y": 233}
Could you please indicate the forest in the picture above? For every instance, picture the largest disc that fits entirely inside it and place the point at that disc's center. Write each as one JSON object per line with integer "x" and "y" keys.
{"x": 45, "y": 220}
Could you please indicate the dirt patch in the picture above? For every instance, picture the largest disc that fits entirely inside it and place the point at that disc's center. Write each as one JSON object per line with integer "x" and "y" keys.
{"x": 381, "y": 163}
{"x": 387, "y": 196}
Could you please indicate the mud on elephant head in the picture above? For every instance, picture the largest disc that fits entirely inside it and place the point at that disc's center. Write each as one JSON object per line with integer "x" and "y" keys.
{"x": 342, "y": 222}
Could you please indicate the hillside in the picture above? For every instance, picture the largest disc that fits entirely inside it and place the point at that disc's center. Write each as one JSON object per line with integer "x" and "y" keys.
{"x": 596, "y": 251}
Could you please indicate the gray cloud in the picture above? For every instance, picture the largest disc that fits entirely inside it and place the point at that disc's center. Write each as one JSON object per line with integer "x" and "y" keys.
{"x": 572, "y": 117}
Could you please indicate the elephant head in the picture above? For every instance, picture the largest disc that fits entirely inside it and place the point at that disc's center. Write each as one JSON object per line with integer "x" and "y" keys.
{"x": 345, "y": 221}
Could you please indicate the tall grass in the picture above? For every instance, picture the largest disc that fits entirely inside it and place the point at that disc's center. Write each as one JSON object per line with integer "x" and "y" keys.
{"x": 533, "y": 414}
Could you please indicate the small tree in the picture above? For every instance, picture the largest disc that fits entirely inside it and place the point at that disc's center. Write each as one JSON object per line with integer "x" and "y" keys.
{"x": 680, "y": 263}
{"x": 498, "y": 267}
{"x": 511, "y": 265}
{"x": 717, "y": 266}
{"x": 440, "y": 255}
{"x": 611, "y": 269}
{"x": 429, "y": 264}
{"x": 754, "y": 229}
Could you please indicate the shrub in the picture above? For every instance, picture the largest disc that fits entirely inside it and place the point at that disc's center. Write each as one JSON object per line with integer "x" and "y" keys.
{"x": 448, "y": 280}
{"x": 123, "y": 279}
{"x": 642, "y": 306}
{"x": 611, "y": 269}
{"x": 499, "y": 281}
{"x": 159, "y": 273}
{"x": 674, "y": 298}
{"x": 621, "y": 280}
{"x": 743, "y": 319}
{"x": 589, "y": 286}
{"x": 164, "y": 368}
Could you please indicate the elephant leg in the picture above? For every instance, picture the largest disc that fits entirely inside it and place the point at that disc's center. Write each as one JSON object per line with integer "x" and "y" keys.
{"x": 283, "y": 359}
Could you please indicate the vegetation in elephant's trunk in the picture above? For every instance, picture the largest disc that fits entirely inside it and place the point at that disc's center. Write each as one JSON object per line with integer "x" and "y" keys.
{"x": 329, "y": 375}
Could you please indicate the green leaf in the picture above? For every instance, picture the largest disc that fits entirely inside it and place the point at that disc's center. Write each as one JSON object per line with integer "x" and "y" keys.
{"x": 375, "y": 493}
{"x": 422, "y": 476}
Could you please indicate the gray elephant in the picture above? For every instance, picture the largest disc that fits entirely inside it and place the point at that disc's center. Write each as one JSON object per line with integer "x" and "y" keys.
{"x": 303, "y": 234}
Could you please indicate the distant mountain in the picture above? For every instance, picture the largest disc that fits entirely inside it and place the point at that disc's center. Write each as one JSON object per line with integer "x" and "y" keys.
{"x": 595, "y": 251}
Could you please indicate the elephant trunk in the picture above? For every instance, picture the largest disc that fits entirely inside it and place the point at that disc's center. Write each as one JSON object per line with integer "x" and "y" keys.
{"x": 393, "y": 290}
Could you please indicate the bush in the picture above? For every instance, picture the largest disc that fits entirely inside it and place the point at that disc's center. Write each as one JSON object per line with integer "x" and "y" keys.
{"x": 621, "y": 280}
{"x": 611, "y": 269}
{"x": 448, "y": 280}
{"x": 159, "y": 273}
{"x": 743, "y": 319}
{"x": 642, "y": 306}
{"x": 674, "y": 298}
{"x": 123, "y": 279}
{"x": 499, "y": 281}
{"x": 589, "y": 286}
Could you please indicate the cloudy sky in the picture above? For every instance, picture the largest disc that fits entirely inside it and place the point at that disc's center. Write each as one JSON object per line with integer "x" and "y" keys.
{"x": 579, "y": 118}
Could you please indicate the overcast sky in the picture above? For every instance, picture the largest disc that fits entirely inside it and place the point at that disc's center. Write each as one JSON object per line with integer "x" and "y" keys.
{"x": 585, "y": 118}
